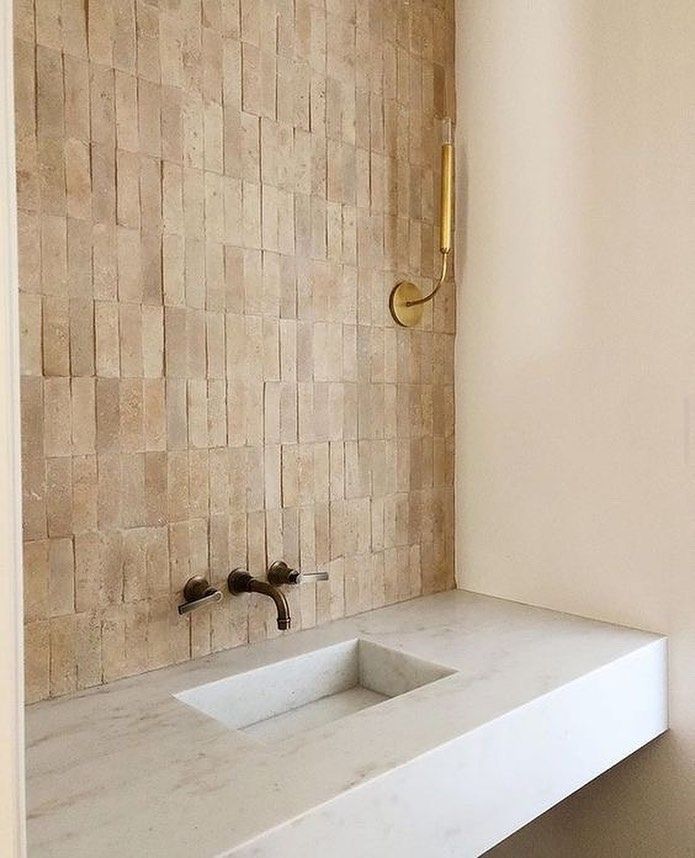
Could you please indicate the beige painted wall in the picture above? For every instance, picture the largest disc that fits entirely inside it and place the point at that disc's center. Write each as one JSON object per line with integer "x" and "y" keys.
{"x": 576, "y": 358}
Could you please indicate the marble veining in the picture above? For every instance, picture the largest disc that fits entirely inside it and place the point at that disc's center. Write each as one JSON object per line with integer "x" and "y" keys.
{"x": 129, "y": 763}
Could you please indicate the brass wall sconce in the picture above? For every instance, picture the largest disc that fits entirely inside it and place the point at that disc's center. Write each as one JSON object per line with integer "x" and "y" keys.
{"x": 406, "y": 300}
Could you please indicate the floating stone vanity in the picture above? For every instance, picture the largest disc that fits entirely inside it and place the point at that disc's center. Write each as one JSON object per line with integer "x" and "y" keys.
{"x": 435, "y": 727}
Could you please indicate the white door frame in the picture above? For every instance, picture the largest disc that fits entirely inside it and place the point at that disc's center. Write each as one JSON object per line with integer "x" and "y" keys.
{"x": 12, "y": 806}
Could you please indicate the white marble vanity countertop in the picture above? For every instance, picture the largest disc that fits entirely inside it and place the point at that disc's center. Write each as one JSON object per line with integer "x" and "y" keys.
{"x": 127, "y": 769}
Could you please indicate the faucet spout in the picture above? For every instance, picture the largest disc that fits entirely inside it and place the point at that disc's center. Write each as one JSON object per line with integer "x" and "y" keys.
{"x": 240, "y": 581}
{"x": 283, "y": 608}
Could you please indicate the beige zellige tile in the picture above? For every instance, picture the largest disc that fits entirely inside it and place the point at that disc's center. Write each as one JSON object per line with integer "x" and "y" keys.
{"x": 156, "y": 488}
{"x": 33, "y": 497}
{"x": 37, "y": 655}
{"x": 36, "y": 580}
{"x": 219, "y": 486}
{"x": 172, "y": 143}
{"x": 53, "y": 249}
{"x": 126, "y": 112}
{"x": 59, "y": 496}
{"x": 128, "y": 189}
{"x": 154, "y": 414}
{"x": 104, "y": 267}
{"x": 170, "y": 55}
{"x": 107, "y": 345}
{"x": 124, "y": 42}
{"x": 131, "y": 415}
{"x": 151, "y": 267}
{"x": 24, "y": 20}
{"x": 28, "y": 190}
{"x": 50, "y": 111}
{"x": 159, "y": 651}
{"x": 134, "y": 574}
{"x": 82, "y": 268}
{"x": 215, "y": 285}
{"x": 172, "y": 197}
{"x": 149, "y": 110}
{"x": 47, "y": 21}
{"x": 201, "y": 640}
{"x": 147, "y": 30}
{"x": 176, "y": 414}
{"x": 109, "y": 500}
{"x": 29, "y": 262}
{"x": 288, "y": 413}
{"x": 217, "y": 413}
{"x": 130, "y": 283}
{"x": 30, "y": 337}
{"x": 179, "y": 555}
{"x": 113, "y": 634}
{"x": 100, "y": 31}
{"x": 82, "y": 337}
{"x": 88, "y": 650}
{"x": 199, "y": 492}
{"x": 153, "y": 341}
{"x": 108, "y": 436}
{"x": 84, "y": 494}
{"x": 61, "y": 577}
{"x": 83, "y": 415}
{"x": 52, "y": 182}
{"x": 78, "y": 179}
{"x": 213, "y": 137}
{"x": 133, "y": 511}
{"x": 103, "y": 182}
{"x": 177, "y": 486}
{"x": 151, "y": 194}
{"x": 102, "y": 105}
{"x": 57, "y": 417}
{"x": 173, "y": 267}
{"x": 213, "y": 204}
{"x": 157, "y": 561}
{"x": 197, "y": 413}
{"x": 130, "y": 340}
{"x": 76, "y": 94}
{"x": 136, "y": 617}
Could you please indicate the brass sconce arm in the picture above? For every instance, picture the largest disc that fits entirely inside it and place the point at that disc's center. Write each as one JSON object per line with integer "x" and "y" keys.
{"x": 406, "y": 299}
{"x": 442, "y": 278}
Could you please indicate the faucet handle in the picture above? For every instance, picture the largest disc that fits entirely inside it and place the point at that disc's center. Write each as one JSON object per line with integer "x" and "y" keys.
{"x": 280, "y": 573}
{"x": 198, "y": 592}
{"x": 319, "y": 575}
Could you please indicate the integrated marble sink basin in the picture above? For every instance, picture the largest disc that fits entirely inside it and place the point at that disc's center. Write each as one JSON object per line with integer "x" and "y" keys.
{"x": 536, "y": 705}
{"x": 287, "y": 698}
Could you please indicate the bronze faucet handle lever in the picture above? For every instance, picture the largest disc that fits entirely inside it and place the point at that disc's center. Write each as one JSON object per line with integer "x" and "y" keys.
{"x": 280, "y": 573}
{"x": 197, "y": 593}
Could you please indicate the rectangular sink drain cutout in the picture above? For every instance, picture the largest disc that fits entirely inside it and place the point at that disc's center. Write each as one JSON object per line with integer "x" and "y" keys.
{"x": 289, "y": 697}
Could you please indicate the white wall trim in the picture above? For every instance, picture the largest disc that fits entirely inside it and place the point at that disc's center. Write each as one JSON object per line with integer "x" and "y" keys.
{"x": 12, "y": 804}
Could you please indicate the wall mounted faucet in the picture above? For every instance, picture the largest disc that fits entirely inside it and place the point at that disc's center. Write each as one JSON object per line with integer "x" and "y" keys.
{"x": 241, "y": 581}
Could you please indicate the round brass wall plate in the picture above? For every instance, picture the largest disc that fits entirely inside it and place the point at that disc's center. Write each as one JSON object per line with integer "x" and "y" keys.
{"x": 401, "y": 294}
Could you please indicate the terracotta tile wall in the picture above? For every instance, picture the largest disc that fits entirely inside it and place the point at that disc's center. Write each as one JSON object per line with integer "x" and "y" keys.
{"x": 214, "y": 200}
